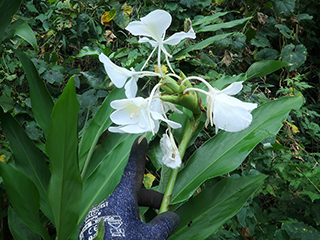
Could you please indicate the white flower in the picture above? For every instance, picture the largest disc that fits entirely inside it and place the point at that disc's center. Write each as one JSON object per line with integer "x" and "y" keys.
{"x": 154, "y": 26}
{"x": 171, "y": 156}
{"x": 119, "y": 76}
{"x": 226, "y": 112}
{"x": 136, "y": 115}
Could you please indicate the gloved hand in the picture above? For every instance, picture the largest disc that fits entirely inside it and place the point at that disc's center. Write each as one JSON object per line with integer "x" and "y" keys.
{"x": 120, "y": 211}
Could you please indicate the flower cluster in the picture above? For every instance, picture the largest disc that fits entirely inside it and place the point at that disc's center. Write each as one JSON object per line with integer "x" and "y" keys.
{"x": 139, "y": 115}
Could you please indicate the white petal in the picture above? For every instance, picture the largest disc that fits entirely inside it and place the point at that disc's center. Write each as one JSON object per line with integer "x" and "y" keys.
{"x": 116, "y": 130}
{"x": 171, "y": 156}
{"x": 118, "y": 75}
{"x": 153, "y": 25}
{"x": 177, "y": 37}
{"x": 131, "y": 87}
{"x": 145, "y": 39}
{"x": 229, "y": 115}
{"x": 233, "y": 88}
{"x": 125, "y": 116}
{"x": 128, "y": 129}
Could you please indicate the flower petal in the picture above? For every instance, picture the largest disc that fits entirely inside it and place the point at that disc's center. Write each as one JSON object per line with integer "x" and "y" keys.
{"x": 233, "y": 88}
{"x": 131, "y": 87}
{"x": 145, "y": 39}
{"x": 118, "y": 75}
{"x": 171, "y": 156}
{"x": 153, "y": 25}
{"x": 177, "y": 37}
{"x": 229, "y": 115}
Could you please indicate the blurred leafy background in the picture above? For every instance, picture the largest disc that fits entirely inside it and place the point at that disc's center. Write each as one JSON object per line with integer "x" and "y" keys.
{"x": 65, "y": 41}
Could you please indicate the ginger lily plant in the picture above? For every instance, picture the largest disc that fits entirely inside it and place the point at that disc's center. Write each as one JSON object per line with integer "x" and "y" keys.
{"x": 140, "y": 115}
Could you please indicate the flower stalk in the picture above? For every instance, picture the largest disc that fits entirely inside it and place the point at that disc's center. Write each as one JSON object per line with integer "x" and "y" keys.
{"x": 192, "y": 126}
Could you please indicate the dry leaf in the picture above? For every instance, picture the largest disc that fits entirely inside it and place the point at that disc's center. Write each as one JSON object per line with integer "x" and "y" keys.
{"x": 109, "y": 36}
{"x": 108, "y": 16}
{"x": 227, "y": 59}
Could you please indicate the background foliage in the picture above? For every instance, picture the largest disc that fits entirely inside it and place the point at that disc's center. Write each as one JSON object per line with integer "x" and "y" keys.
{"x": 68, "y": 35}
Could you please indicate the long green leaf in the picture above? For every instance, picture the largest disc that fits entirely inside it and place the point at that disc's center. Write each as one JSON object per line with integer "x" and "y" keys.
{"x": 111, "y": 142}
{"x": 41, "y": 100}
{"x": 18, "y": 228}
{"x": 22, "y": 29}
{"x": 205, "y": 213}
{"x": 230, "y": 24}
{"x": 65, "y": 187}
{"x": 260, "y": 69}
{"x": 97, "y": 126}
{"x": 24, "y": 197}
{"x": 101, "y": 183}
{"x": 28, "y": 158}
{"x": 207, "y": 19}
{"x": 201, "y": 44}
{"x": 226, "y": 151}
{"x": 7, "y": 9}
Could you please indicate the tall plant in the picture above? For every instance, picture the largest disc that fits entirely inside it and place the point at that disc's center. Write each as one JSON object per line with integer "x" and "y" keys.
{"x": 73, "y": 172}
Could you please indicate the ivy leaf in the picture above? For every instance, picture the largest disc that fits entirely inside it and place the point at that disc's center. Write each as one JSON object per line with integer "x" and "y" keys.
{"x": 284, "y": 30}
{"x": 260, "y": 41}
{"x": 267, "y": 54}
{"x": 284, "y": 7}
{"x": 239, "y": 40}
{"x": 296, "y": 55}
{"x": 303, "y": 16}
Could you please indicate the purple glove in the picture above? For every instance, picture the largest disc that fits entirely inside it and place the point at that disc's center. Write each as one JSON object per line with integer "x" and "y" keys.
{"x": 120, "y": 211}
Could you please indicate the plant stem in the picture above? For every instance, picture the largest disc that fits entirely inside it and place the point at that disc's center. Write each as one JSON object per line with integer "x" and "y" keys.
{"x": 193, "y": 124}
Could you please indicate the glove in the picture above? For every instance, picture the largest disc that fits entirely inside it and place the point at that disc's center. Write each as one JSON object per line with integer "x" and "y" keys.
{"x": 120, "y": 211}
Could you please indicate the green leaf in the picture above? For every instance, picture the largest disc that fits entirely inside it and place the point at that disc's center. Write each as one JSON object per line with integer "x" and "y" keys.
{"x": 260, "y": 69}
{"x": 206, "y": 20}
{"x": 18, "y": 228}
{"x": 6, "y": 102}
{"x": 97, "y": 126}
{"x": 101, "y": 183}
{"x": 85, "y": 51}
{"x": 53, "y": 77}
{"x": 260, "y": 41}
{"x": 95, "y": 79}
{"x": 101, "y": 230}
{"x": 110, "y": 142}
{"x": 65, "y": 187}
{"x": 296, "y": 55}
{"x": 284, "y": 7}
{"x": 201, "y": 44}
{"x": 24, "y": 197}
{"x": 267, "y": 54}
{"x": 41, "y": 100}
{"x": 303, "y": 16}
{"x": 299, "y": 230}
{"x": 22, "y": 29}
{"x": 227, "y": 150}
{"x": 230, "y": 24}
{"x": 205, "y": 213}
{"x": 7, "y": 9}
{"x": 284, "y": 30}
{"x": 28, "y": 158}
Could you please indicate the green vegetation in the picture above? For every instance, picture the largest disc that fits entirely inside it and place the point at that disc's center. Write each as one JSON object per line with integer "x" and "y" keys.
{"x": 270, "y": 176}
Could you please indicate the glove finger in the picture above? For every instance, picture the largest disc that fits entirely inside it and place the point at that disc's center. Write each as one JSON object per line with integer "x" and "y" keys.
{"x": 166, "y": 223}
{"x": 132, "y": 176}
{"x": 149, "y": 198}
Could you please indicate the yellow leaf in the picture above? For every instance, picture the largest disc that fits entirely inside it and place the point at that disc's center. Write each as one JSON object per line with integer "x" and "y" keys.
{"x": 163, "y": 69}
{"x": 127, "y": 9}
{"x": 108, "y": 16}
{"x": 294, "y": 128}
{"x": 148, "y": 180}
{"x": 219, "y": 1}
{"x": 2, "y": 157}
